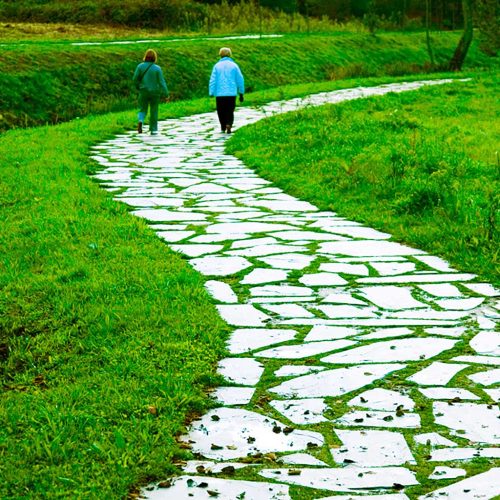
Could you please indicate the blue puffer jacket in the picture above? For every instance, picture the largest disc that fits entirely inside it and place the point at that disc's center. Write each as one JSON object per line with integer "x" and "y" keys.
{"x": 226, "y": 79}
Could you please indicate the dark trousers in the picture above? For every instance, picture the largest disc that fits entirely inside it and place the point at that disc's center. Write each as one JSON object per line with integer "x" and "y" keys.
{"x": 225, "y": 110}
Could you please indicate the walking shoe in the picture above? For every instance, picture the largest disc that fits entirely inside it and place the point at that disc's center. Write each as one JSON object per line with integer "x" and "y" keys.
{"x": 139, "y": 128}
{"x": 228, "y": 129}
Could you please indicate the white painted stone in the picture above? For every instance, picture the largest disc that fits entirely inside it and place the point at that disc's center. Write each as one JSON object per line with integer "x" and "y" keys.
{"x": 371, "y": 448}
{"x": 296, "y": 370}
{"x": 300, "y": 351}
{"x": 494, "y": 394}
{"x": 393, "y": 268}
{"x": 301, "y": 411}
{"x": 447, "y": 473}
{"x": 347, "y": 311}
{"x": 456, "y": 331}
{"x": 219, "y": 266}
{"x": 430, "y": 314}
{"x": 246, "y": 227}
{"x": 264, "y": 275}
{"x": 280, "y": 300}
{"x": 284, "y": 206}
{"x": 214, "y": 238}
{"x": 234, "y": 427}
{"x": 197, "y": 250}
{"x": 389, "y": 496}
{"x": 207, "y": 187}
{"x": 460, "y": 304}
{"x": 288, "y": 310}
{"x": 345, "y": 479}
{"x": 162, "y": 215}
{"x": 302, "y": 459}
{"x": 433, "y": 439}
{"x": 330, "y": 296}
{"x": 483, "y": 289}
{"x": 221, "y": 292}
{"x": 483, "y": 360}
{"x": 393, "y": 350}
{"x": 233, "y": 396}
{"x": 485, "y": 323}
{"x": 321, "y": 332}
{"x": 436, "y": 263}
{"x": 262, "y": 250}
{"x": 334, "y": 382}
{"x": 249, "y": 339}
{"x": 377, "y": 418}
{"x": 488, "y": 377}
{"x": 188, "y": 487}
{"x": 242, "y": 315}
{"x": 485, "y": 485}
{"x": 391, "y": 297}
{"x": 153, "y": 201}
{"x": 444, "y": 290}
{"x": 242, "y": 371}
{"x": 448, "y": 393}
{"x": 437, "y": 373}
{"x": 358, "y": 232}
{"x": 487, "y": 343}
{"x": 367, "y": 248}
{"x": 280, "y": 290}
{"x": 382, "y": 399}
{"x": 472, "y": 421}
{"x": 419, "y": 278}
{"x": 322, "y": 279}
{"x": 306, "y": 235}
{"x": 384, "y": 333}
{"x": 288, "y": 261}
{"x": 365, "y": 322}
{"x": 451, "y": 454}
{"x": 173, "y": 236}
{"x": 253, "y": 242}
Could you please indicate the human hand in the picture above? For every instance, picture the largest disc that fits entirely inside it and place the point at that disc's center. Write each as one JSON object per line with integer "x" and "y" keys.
{"x": 241, "y": 98}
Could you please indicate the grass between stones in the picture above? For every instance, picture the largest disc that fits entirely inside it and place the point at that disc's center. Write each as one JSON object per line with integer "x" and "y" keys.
{"x": 423, "y": 166}
{"x": 107, "y": 339}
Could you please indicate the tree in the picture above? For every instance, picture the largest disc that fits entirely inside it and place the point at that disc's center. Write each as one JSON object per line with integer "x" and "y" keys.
{"x": 488, "y": 21}
{"x": 465, "y": 40}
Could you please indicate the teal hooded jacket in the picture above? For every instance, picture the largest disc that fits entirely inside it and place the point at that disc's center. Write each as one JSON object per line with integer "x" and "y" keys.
{"x": 149, "y": 76}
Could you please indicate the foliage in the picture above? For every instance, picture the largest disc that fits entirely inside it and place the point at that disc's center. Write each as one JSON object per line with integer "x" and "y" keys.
{"x": 422, "y": 166}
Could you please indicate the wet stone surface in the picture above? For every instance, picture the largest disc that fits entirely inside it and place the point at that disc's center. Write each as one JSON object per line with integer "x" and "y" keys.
{"x": 349, "y": 352}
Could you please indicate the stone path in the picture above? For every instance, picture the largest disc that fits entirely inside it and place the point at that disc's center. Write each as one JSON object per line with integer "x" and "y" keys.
{"x": 342, "y": 374}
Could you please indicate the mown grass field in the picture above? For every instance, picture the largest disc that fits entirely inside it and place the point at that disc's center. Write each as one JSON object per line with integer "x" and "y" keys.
{"x": 423, "y": 166}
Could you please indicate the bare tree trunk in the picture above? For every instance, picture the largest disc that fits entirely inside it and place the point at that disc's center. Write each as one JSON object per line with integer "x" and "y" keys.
{"x": 465, "y": 40}
{"x": 427, "y": 30}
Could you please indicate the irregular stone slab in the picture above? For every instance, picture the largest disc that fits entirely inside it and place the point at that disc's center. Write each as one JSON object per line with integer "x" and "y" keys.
{"x": 161, "y": 215}
{"x": 485, "y": 485}
{"x": 485, "y": 323}
{"x": 321, "y": 332}
{"x": 365, "y": 248}
{"x": 354, "y": 269}
{"x": 173, "y": 236}
{"x": 233, "y": 396}
{"x": 436, "y": 373}
{"x": 460, "y": 304}
{"x": 289, "y": 310}
{"x": 207, "y": 187}
{"x": 301, "y": 411}
{"x": 264, "y": 275}
{"x": 483, "y": 360}
{"x": 472, "y": 421}
{"x": 382, "y": 399}
{"x": 334, "y": 382}
{"x": 489, "y": 377}
{"x": 487, "y": 343}
{"x": 419, "y": 278}
{"x": 444, "y": 290}
{"x": 456, "y": 331}
{"x": 261, "y": 250}
{"x": 226, "y": 489}
{"x": 221, "y": 292}
{"x": 288, "y": 261}
{"x": 448, "y": 393}
{"x": 396, "y": 496}
{"x": 330, "y": 296}
{"x": 436, "y": 263}
{"x": 280, "y": 290}
{"x": 285, "y": 206}
{"x": 242, "y": 315}
{"x": 153, "y": 201}
{"x": 246, "y": 227}
{"x": 371, "y": 448}
{"x": 391, "y": 297}
{"x": 307, "y": 235}
{"x": 393, "y": 350}
{"x": 347, "y": 479}
{"x": 359, "y": 232}
{"x": 219, "y": 266}
{"x": 322, "y": 279}
{"x": 494, "y": 394}
{"x": 433, "y": 439}
{"x": 383, "y": 333}
{"x": 377, "y": 418}
{"x": 451, "y": 454}
{"x": 447, "y": 473}
{"x": 196, "y": 250}
{"x": 300, "y": 351}
{"x": 483, "y": 289}
{"x": 253, "y": 242}
{"x": 242, "y": 371}
{"x": 295, "y": 370}
{"x": 280, "y": 300}
{"x": 238, "y": 433}
{"x": 249, "y": 339}
{"x": 430, "y": 314}
{"x": 302, "y": 459}
{"x": 393, "y": 268}
{"x": 213, "y": 238}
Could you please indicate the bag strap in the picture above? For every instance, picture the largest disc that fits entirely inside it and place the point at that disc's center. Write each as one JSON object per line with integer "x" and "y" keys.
{"x": 139, "y": 80}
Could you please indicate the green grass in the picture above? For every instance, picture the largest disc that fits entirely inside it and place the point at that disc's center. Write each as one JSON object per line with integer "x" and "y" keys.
{"x": 48, "y": 82}
{"x": 423, "y": 166}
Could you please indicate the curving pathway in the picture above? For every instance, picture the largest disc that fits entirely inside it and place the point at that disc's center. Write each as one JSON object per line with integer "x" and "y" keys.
{"x": 343, "y": 374}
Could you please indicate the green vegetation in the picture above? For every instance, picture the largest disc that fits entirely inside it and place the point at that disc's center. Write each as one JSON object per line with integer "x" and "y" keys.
{"x": 422, "y": 166}
{"x": 52, "y": 82}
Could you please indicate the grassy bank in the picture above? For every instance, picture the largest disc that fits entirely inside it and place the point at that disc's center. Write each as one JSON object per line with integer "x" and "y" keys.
{"x": 423, "y": 166}
{"x": 50, "y": 82}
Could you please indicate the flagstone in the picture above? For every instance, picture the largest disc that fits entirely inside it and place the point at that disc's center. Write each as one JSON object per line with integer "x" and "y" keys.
{"x": 358, "y": 232}
{"x": 242, "y": 315}
{"x": 242, "y": 371}
{"x": 354, "y": 269}
{"x": 221, "y": 291}
{"x": 306, "y": 235}
{"x": 249, "y": 339}
{"x": 494, "y": 394}
{"x": 253, "y": 242}
{"x": 280, "y": 300}
{"x": 484, "y": 360}
{"x": 392, "y": 268}
{"x": 340, "y": 297}
{"x": 214, "y": 238}
{"x": 433, "y": 439}
{"x": 437, "y": 373}
{"x": 302, "y": 459}
{"x": 233, "y": 396}
{"x": 301, "y": 411}
{"x": 375, "y": 322}
{"x": 372, "y": 448}
{"x": 363, "y": 248}
{"x": 347, "y": 311}
{"x": 448, "y": 393}
{"x": 230, "y": 433}
{"x": 295, "y": 370}
{"x": 173, "y": 236}
{"x": 460, "y": 304}
{"x": 245, "y": 227}
{"x": 306, "y": 350}
{"x": 162, "y": 215}
{"x": 488, "y": 377}
{"x": 485, "y": 323}
{"x": 451, "y": 454}
{"x": 485, "y": 485}
{"x": 430, "y": 314}
{"x": 322, "y": 279}
{"x": 150, "y": 202}
{"x": 280, "y": 290}
{"x": 388, "y": 496}
{"x": 383, "y": 333}
{"x": 436, "y": 263}
{"x": 219, "y": 266}
{"x": 391, "y": 297}
{"x": 263, "y": 250}
{"x": 483, "y": 289}
{"x": 487, "y": 343}
{"x": 321, "y": 332}
{"x": 334, "y": 382}
{"x": 419, "y": 278}
{"x": 456, "y": 331}
{"x": 382, "y": 399}
{"x": 264, "y": 275}
{"x": 288, "y": 310}
{"x": 288, "y": 261}
{"x": 377, "y": 418}
{"x": 197, "y": 250}
{"x": 447, "y": 473}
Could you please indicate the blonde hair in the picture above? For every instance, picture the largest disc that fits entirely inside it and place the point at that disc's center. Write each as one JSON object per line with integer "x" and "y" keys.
{"x": 150, "y": 56}
{"x": 225, "y": 52}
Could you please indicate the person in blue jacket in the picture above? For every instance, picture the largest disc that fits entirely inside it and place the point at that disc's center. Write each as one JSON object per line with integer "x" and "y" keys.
{"x": 226, "y": 82}
{"x": 150, "y": 82}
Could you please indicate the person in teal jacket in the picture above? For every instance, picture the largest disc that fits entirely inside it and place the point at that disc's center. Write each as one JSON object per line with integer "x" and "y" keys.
{"x": 150, "y": 82}
{"x": 226, "y": 81}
